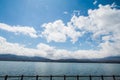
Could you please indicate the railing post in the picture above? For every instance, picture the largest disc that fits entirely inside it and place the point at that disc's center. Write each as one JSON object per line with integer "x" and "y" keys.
{"x": 114, "y": 77}
{"x": 102, "y": 77}
{"x": 36, "y": 77}
{"x": 22, "y": 77}
{"x": 6, "y": 77}
{"x": 90, "y": 77}
{"x": 51, "y": 77}
{"x": 64, "y": 77}
{"x": 77, "y": 77}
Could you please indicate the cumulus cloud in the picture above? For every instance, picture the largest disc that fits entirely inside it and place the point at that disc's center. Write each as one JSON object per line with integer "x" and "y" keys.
{"x": 18, "y": 49}
{"x": 103, "y": 22}
{"x": 26, "y": 30}
{"x": 54, "y": 31}
{"x": 44, "y": 50}
{"x": 58, "y": 32}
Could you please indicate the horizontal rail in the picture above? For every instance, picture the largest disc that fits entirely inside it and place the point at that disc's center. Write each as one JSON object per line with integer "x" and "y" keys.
{"x": 63, "y": 76}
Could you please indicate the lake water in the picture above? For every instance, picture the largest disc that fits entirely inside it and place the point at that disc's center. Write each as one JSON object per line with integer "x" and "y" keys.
{"x": 49, "y": 68}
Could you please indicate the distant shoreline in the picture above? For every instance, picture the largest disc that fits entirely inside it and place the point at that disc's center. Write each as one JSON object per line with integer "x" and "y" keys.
{"x": 63, "y": 61}
{"x": 9, "y": 57}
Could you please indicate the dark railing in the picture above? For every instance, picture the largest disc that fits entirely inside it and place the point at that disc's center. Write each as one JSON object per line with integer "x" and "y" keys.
{"x": 64, "y": 77}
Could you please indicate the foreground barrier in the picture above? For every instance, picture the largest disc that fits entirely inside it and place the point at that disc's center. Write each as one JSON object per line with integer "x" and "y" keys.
{"x": 61, "y": 77}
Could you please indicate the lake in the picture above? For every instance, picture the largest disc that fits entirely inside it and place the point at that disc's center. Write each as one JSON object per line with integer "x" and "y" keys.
{"x": 50, "y": 68}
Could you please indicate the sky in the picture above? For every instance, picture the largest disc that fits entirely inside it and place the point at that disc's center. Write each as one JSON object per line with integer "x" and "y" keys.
{"x": 60, "y": 29}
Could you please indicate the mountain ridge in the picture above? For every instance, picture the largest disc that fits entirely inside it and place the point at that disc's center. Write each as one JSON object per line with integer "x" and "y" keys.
{"x": 11, "y": 57}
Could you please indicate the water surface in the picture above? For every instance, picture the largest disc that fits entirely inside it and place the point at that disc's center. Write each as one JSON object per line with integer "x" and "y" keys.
{"x": 50, "y": 68}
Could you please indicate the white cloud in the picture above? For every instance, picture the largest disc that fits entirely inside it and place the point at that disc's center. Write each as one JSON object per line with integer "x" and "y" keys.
{"x": 54, "y": 31}
{"x": 65, "y": 12}
{"x": 103, "y": 22}
{"x": 18, "y": 49}
{"x": 58, "y": 32}
{"x": 44, "y": 50}
{"x": 95, "y": 2}
{"x": 26, "y": 30}
{"x": 76, "y": 12}
{"x": 72, "y": 33}
{"x": 112, "y": 49}
{"x": 45, "y": 47}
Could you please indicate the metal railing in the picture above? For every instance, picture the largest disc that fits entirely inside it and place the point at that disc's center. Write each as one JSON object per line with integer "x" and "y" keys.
{"x": 64, "y": 77}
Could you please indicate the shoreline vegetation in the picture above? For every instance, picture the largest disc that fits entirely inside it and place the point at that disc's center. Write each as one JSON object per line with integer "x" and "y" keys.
{"x": 10, "y": 57}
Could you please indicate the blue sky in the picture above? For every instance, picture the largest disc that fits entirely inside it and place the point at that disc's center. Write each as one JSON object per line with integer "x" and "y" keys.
{"x": 68, "y": 29}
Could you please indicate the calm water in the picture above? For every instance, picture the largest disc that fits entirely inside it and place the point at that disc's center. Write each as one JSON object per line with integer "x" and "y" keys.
{"x": 42, "y": 68}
